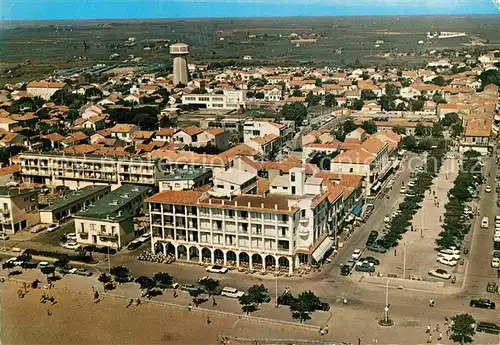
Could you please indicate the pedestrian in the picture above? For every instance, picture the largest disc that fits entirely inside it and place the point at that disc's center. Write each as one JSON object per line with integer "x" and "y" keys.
{"x": 322, "y": 331}
{"x": 49, "y": 312}
{"x": 394, "y": 252}
{"x": 138, "y": 302}
{"x": 208, "y": 320}
{"x": 96, "y": 295}
{"x": 429, "y": 340}
{"x": 448, "y": 331}
{"x": 437, "y": 327}
{"x": 190, "y": 306}
{"x": 440, "y": 336}
{"x": 428, "y": 329}
{"x": 130, "y": 302}
{"x": 326, "y": 329}
{"x": 175, "y": 293}
{"x": 213, "y": 302}
{"x": 359, "y": 341}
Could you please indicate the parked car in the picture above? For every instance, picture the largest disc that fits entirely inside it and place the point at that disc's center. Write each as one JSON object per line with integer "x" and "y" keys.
{"x": 372, "y": 238}
{"x": 345, "y": 270}
{"x": 15, "y": 261}
{"x": 124, "y": 279}
{"x": 134, "y": 245}
{"x": 487, "y": 189}
{"x": 216, "y": 269}
{"x": 492, "y": 287}
{"x": 189, "y": 287}
{"x": 447, "y": 261}
{"x": 482, "y": 303}
{"x": 53, "y": 227}
{"x": 71, "y": 245}
{"x": 231, "y": 292}
{"x": 146, "y": 236}
{"x": 4, "y": 237}
{"x": 371, "y": 259}
{"x": 488, "y": 327}
{"x": 83, "y": 272}
{"x": 356, "y": 254}
{"x": 449, "y": 256}
{"x": 377, "y": 248}
{"x": 495, "y": 262}
{"x": 71, "y": 236}
{"x": 496, "y": 255}
{"x": 440, "y": 273}
{"x": 29, "y": 264}
{"x": 67, "y": 270}
{"x": 43, "y": 264}
{"x": 450, "y": 251}
{"x": 365, "y": 266}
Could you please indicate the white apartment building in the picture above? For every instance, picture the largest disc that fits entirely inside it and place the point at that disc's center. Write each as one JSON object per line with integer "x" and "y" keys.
{"x": 109, "y": 221}
{"x": 273, "y": 232}
{"x": 259, "y": 128}
{"x": 78, "y": 171}
{"x": 18, "y": 209}
{"x": 228, "y": 100}
{"x": 185, "y": 179}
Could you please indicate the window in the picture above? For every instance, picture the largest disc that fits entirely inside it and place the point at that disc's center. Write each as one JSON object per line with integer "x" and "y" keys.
{"x": 113, "y": 229}
{"x": 292, "y": 177}
{"x": 103, "y": 228}
{"x": 351, "y": 169}
{"x": 303, "y": 213}
{"x": 293, "y": 189}
{"x": 82, "y": 227}
{"x": 232, "y": 187}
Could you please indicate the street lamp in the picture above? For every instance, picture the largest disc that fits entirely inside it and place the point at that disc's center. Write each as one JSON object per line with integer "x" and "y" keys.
{"x": 109, "y": 262}
{"x": 386, "y": 321}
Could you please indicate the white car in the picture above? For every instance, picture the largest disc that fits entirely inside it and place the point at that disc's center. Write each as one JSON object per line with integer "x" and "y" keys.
{"x": 387, "y": 219}
{"x": 15, "y": 261}
{"x": 53, "y": 227}
{"x": 4, "y": 237}
{"x": 449, "y": 256}
{"x": 356, "y": 254}
{"x": 440, "y": 273}
{"x": 146, "y": 236}
{"x": 447, "y": 261}
{"x": 402, "y": 190}
{"x": 216, "y": 269}
{"x": 71, "y": 245}
{"x": 487, "y": 189}
{"x": 231, "y": 292}
{"x": 495, "y": 263}
{"x": 71, "y": 236}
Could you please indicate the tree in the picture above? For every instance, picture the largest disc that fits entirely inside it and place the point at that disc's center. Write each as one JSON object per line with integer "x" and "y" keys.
{"x": 294, "y": 111}
{"x": 491, "y": 76}
{"x": 146, "y": 283}
{"x": 368, "y": 95}
{"x": 248, "y": 304}
{"x": 348, "y": 126}
{"x": 104, "y": 279}
{"x": 369, "y": 126}
{"x": 399, "y": 129}
{"x": 210, "y": 285}
{"x": 462, "y": 329}
{"x": 119, "y": 271}
{"x": 449, "y": 119}
{"x": 48, "y": 270}
{"x": 296, "y": 93}
{"x": 318, "y": 82}
{"x": 259, "y": 95}
{"x": 62, "y": 261}
{"x": 259, "y": 293}
{"x": 163, "y": 279}
{"x": 437, "y": 130}
{"x": 421, "y": 130}
{"x": 409, "y": 143}
{"x": 416, "y": 104}
{"x": 439, "y": 81}
{"x": 357, "y": 104}
{"x": 330, "y": 100}
{"x": 312, "y": 99}
{"x": 456, "y": 130}
{"x": 62, "y": 97}
{"x": 438, "y": 98}
{"x": 302, "y": 306}
{"x": 250, "y": 94}
{"x": 93, "y": 93}
{"x": 196, "y": 296}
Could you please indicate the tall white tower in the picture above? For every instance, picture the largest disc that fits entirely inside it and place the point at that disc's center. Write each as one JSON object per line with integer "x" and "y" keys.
{"x": 179, "y": 52}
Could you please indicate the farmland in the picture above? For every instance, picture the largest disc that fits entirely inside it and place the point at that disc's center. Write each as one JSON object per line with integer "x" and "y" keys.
{"x": 33, "y": 49}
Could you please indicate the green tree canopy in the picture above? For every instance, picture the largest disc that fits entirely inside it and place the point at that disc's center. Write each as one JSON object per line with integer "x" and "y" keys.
{"x": 295, "y": 112}
{"x": 330, "y": 100}
{"x": 348, "y": 126}
{"x": 369, "y": 126}
{"x": 462, "y": 329}
{"x": 491, "y": 76}
{"x": 439, "y": 81}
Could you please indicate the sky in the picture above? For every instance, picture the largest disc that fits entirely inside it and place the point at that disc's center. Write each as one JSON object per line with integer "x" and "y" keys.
{"x": 142, "y": 9}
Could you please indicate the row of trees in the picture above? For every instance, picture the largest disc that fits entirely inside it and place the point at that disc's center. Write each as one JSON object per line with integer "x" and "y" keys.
{"x": 411, "y": 203}
{"x": 456, "y": 224}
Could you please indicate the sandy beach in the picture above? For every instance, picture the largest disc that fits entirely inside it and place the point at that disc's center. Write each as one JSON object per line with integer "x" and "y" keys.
{"x": 76, "y": 319}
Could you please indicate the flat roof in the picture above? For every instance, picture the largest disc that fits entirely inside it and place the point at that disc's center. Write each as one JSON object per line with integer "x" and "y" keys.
{"x": 6, "y": 191}
{"x": 112, "y": 203}
{"x": 185, "y": 174}
{"x": 72, "y": 155}
{"x": 75, "y": 196}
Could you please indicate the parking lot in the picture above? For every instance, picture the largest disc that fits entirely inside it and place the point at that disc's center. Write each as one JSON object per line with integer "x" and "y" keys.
{"x": 416, "y": 255}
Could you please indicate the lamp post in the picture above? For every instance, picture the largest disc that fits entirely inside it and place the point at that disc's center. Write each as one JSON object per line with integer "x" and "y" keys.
{"x": 386, "y": 308}
{"x": 109, "y": 262}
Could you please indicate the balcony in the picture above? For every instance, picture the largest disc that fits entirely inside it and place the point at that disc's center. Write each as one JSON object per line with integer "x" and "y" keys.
{"x": 108, "y": 237}
{"x": 5, "y": 211}
{"x": 5, "y": 221}
{"x": 83, "y": 235}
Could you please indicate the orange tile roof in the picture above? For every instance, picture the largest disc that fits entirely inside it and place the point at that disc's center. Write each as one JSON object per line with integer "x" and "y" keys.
{"x": 165, "y": 132}
{"x": 215, "y": 131}
{"x": 373, "y": 145}
{"x": 355, "y": 156}
{"x": 238, "y": 150}
{"x": 186, "y": 197}
{"x": 122, "y": 128}
{"x": 45, "y": 84}
{"x": 12, "y": 169}
{"x": 479, "y": 127}
{"x": 192, "y": 130}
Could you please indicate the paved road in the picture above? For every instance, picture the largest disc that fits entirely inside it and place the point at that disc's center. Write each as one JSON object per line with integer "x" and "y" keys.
{"x": 480, "y": 271}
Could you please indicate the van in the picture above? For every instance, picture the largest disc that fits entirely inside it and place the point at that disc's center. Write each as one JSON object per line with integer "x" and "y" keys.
{"x": 231, "y": 292}
{"x": 402, "y": 190}
{"x": 485, "y": 223}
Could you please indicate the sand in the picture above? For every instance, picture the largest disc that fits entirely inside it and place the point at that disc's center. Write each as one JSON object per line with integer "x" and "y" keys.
{"x": 76, "y": 319}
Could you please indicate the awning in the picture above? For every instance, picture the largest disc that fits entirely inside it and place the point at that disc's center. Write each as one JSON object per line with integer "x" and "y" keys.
{"x": 376, "y": 186}
{"x": 395, "y": 165}
{"x": 357, "y": 211}
{"x": 320, "y": 252}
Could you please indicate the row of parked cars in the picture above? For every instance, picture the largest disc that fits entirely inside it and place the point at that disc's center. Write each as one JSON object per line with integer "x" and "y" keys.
{"x": 495, "y": 260}
{"x": 43, "y": 264}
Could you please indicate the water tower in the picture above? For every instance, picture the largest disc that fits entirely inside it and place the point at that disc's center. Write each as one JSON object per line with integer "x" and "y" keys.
{"x": 179, "y": 52}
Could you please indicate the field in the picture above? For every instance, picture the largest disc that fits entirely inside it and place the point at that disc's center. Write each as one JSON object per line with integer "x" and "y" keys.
{"x": 33, "y": 49}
